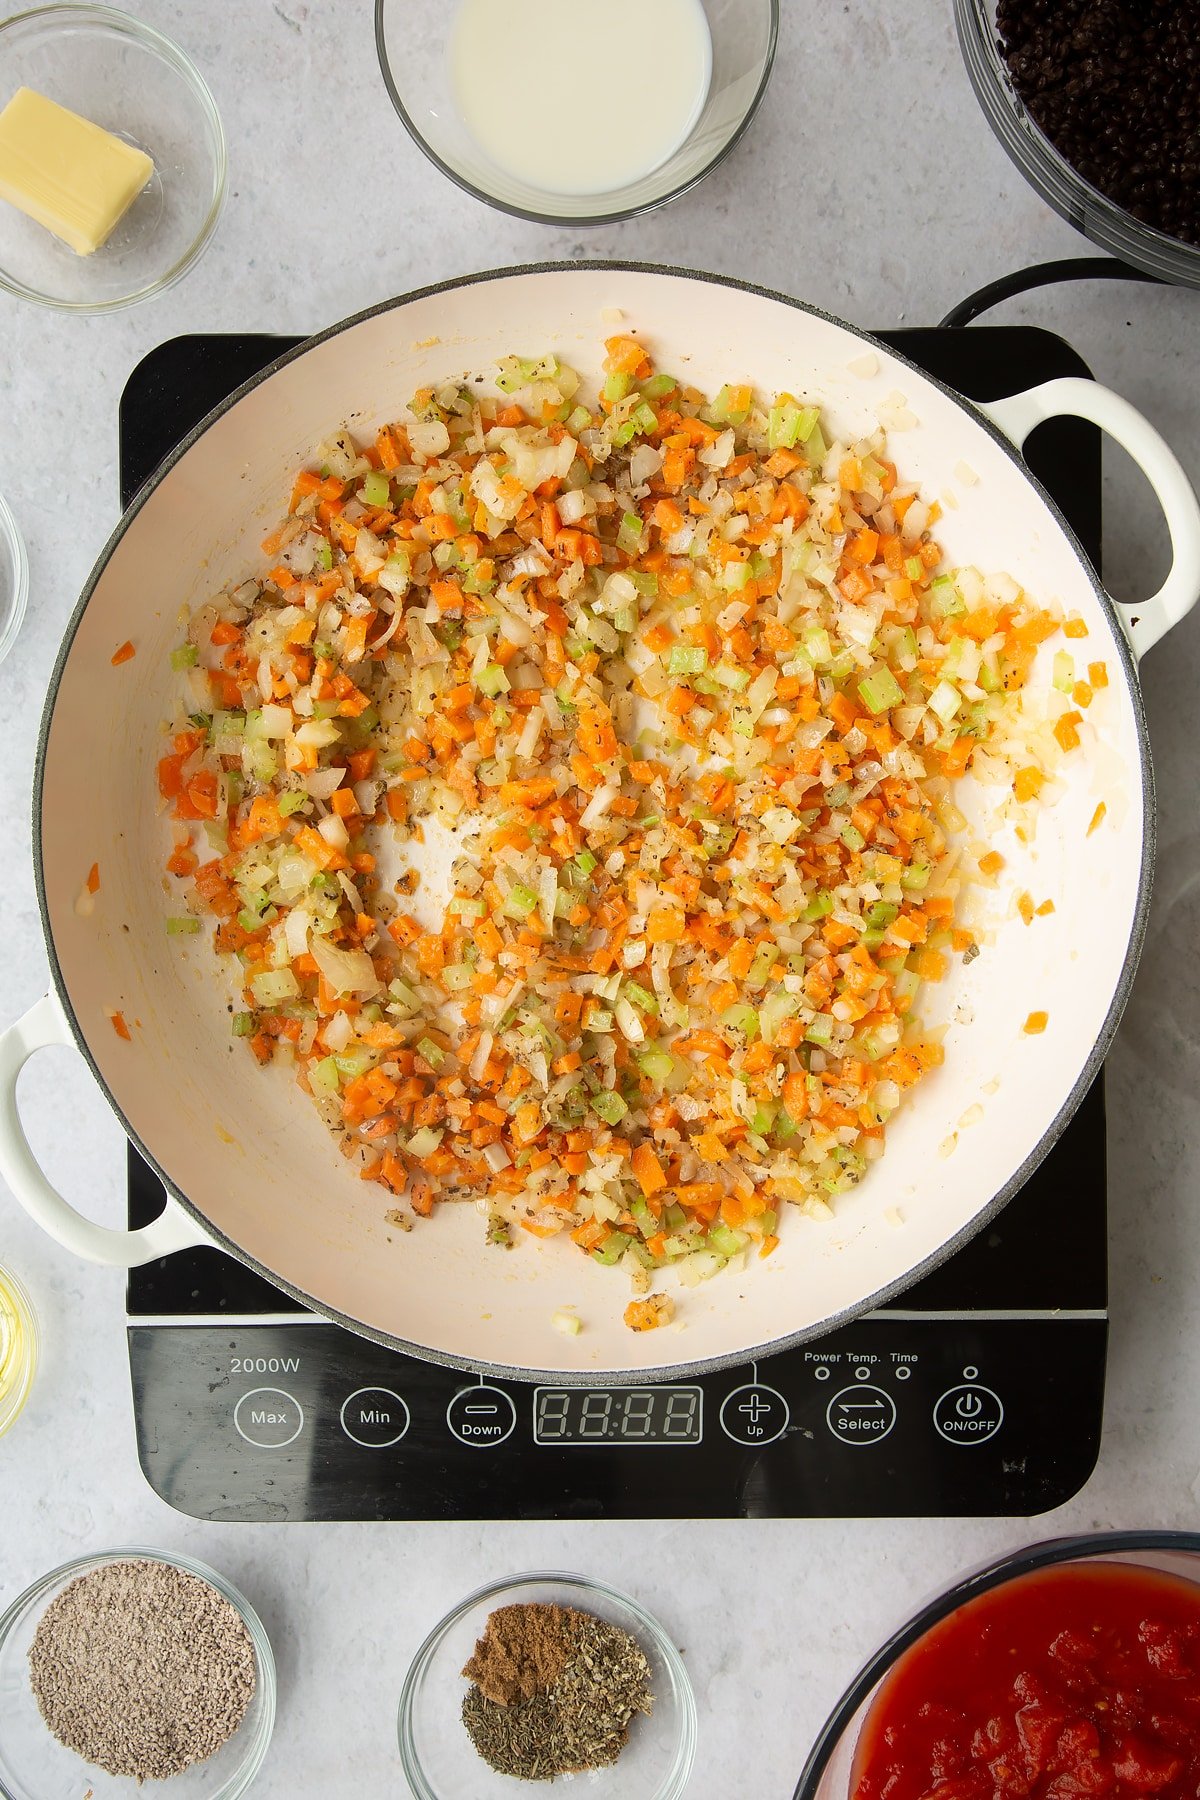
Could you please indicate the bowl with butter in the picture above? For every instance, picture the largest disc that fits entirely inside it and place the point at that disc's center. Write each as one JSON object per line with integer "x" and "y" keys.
{"x": 112, "y": 159}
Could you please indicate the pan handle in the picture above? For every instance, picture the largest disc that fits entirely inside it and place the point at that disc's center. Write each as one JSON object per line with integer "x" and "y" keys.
{"x": 45, "y": 1023}
{"x": 1016, "y": 417}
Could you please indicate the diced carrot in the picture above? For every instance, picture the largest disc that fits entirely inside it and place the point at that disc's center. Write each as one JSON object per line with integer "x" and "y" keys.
{"x": 649, "y": 1172}
{"x": 1036, "y": 1023}
{"x": 122, "y": 654}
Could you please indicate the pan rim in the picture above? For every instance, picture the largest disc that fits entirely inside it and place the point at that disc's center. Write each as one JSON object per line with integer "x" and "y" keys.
{"x": 949, "y": 1247}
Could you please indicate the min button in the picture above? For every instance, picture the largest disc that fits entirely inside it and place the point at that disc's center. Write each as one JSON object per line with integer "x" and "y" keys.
{"x": 269, "y": 1418}
{"x": 374, "y": 1417}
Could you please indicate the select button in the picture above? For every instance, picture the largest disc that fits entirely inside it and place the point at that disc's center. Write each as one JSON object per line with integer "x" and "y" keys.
{"x": 269, "y": 1418}
{"x": 375, "y": 1417}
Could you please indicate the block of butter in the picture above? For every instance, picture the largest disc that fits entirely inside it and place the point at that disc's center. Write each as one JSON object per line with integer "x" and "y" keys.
{"x": 73, "y": 177}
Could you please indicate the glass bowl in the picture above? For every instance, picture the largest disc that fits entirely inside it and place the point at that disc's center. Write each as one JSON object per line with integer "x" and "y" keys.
{"x": 826, "y": 1774}
{"x": 411, "y": 39}
{"x": 1082, "y": 205}
{"x": 35, "y": 1766}
{"x": 128, "y": 78}
{"x": 14, "y": 580}
{"x": 438, "y": 1757}
{"x": 19, "y": 1338}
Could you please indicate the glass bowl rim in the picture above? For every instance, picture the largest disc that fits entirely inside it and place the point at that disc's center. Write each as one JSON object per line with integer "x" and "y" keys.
{"x": 677, "y": 1776}
{"x": 1047, "y": 170}
{"x": 10, "y": 533}
{"x": 259, "y": 1741}
{"x": 571, "y": 220}
{"x": 1000, "y": 1570}
{"x": 126, "y": 25}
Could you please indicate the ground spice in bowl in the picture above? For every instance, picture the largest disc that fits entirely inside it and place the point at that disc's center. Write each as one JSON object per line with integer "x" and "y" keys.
{"x": 142, "y": 1668}
{"x": 1115, "y": 86}
{"x": 554, "y": 1691}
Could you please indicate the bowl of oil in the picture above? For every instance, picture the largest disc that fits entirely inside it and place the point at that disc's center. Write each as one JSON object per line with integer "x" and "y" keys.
{"x": 18, "y": 1348}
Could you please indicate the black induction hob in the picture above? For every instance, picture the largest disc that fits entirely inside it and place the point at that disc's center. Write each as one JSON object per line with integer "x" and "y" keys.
{"x": 980, "y": 1392}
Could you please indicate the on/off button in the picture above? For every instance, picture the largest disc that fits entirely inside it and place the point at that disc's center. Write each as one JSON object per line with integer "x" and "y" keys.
{"x": 969, "y": 1414}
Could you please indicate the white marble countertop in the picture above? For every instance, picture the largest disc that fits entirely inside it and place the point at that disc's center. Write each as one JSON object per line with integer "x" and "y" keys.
{"x": 893, "y": 158}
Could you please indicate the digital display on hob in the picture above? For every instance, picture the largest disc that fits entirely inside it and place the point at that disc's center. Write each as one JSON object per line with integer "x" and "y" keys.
{"x": 649, "y": 1415}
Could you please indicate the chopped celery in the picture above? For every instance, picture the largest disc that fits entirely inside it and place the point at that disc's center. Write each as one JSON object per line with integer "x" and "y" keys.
{"x": 789, "y": 424}
{"x": 492, "y": 680}
{"x": 640, "y": 997}
{"x": 914, "y": 568}
{"x": 185, "y": 657}
{"x": 656, "y": 1065}
{"x": 852, "y": 837}
{"x": 182, "y": 927}
{"x": 729, "y": 677}
{"x": 945, "y": 598}
{"x": 647, "y": 1224}
{"x": 433, "y": 1053}
{"x": 243, "y": 1024}
{"x": 819, "y": 907}
{"x": 725, "y": 1240}
{"x": 613, "y": 1248}
{"x": 629, "y": 535}
{"x": 375, "y": 489}
{"x": 324, "y": 1078}
{"x": 880, "y": 690}
{"x": 732, "y": 405}
{"x": 586, "y": 861}
{"x": 1064, "y": 671}
{"x": 292, "y": 802}
{"x": 820, "y": 1031}
{"x": 274, "y": 985}
{"x": 741, "y": 1018}
{"x": 659, "y": 386}
{"x": 616, "y": 387}
{"x": 521, "y": 901}
{"x": 324, "y": 555}
{"x": 608, "y": 1105}
{"x": 687, "y": 659}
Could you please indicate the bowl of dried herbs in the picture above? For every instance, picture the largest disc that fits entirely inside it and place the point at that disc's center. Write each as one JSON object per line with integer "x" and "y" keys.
{"x": 542, "y": 1676}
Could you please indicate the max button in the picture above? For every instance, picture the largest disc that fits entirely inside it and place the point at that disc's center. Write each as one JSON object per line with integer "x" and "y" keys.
{"x": 269, "y": 1418}
{"x": 969, "y": 1414}
{"x": 481, "y": 1417}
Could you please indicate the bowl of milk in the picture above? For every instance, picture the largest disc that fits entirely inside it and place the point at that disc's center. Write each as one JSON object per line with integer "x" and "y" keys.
{"x": 576, "y": 111}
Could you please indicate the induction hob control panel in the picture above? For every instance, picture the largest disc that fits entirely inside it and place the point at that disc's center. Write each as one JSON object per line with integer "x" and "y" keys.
{"x": 894, "y": 1414}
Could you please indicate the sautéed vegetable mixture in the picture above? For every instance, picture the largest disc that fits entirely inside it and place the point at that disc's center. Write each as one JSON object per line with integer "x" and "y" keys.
{"x": 690, "y": 684}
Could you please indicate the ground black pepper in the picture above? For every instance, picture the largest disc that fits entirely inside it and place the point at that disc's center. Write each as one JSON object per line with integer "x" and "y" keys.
{"x": 1115, "y": 86}
{"x": 594, "y": 1680}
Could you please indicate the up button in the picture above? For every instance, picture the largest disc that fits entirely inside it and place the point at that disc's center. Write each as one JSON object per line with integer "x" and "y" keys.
{"x": 968, "y": 1414}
